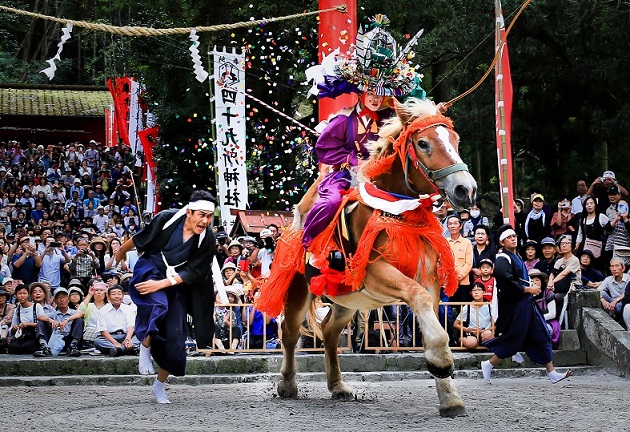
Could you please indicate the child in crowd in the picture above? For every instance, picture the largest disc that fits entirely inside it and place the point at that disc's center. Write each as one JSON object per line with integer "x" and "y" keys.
{"x": 474, "y": 323}
{"x": 546, "y": 301}
{"x": 486, "y": 279}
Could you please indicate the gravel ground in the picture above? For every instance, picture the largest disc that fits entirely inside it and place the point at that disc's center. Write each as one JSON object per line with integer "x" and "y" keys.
{"x": 584, "y": 403}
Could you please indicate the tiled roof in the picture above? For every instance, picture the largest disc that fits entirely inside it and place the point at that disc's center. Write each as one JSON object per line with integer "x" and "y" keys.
{"x": 54, "y": 102}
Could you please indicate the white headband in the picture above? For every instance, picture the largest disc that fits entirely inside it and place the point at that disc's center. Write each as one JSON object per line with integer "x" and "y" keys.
{"x": 505, "y": 234}
{"x": 201, "y": 205}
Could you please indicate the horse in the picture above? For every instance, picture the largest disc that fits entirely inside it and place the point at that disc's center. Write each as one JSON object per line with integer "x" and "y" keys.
{"x": 416, "y": 154}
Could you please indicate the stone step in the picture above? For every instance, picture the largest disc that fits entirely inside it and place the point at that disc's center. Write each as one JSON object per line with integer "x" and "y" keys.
{"x": 25, "y": 366}
{"x": 126, "y": 380}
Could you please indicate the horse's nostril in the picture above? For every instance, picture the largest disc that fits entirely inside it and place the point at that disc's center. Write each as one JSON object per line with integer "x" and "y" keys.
{"x": 461, "y": 192}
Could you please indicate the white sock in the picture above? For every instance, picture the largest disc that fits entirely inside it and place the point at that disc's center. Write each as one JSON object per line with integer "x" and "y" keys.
{"x": 556, "y": 377}
{"x": 518, "y": 358}
{"x": 160, "y": 392}
{"x": 486, "y": 370}
{"x": 145, "y": 364}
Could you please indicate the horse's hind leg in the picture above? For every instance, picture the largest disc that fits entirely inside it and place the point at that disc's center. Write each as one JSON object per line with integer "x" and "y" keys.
{"x": 333, "y": 324}
{"x": 294, "y": 313}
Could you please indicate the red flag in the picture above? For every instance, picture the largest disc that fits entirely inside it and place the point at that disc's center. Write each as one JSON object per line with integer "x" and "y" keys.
{"x": 121, "y": 92}
{"x": 148, "y": 138}
{"x": 503, "y": 108}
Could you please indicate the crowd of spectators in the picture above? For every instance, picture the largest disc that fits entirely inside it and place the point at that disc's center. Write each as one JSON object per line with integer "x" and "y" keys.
{"x": 67, "y": 209}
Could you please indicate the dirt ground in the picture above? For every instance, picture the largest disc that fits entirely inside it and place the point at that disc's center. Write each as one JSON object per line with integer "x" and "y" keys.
{"x": 584, "y": 403}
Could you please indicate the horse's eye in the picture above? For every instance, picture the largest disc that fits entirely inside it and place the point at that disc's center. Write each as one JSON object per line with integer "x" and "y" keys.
{"x": 423, "y": 145}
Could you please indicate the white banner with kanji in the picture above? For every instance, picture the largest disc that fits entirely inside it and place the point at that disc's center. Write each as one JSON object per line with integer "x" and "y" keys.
{"x": 229, "y": 102}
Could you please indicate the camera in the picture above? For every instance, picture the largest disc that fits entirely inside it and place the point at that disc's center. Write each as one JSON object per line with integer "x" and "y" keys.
{"x": 564, "y": 204}
{"x": 221, "y": 241}
{"x": 54, "y": 244}
{"x": 83, "y": 251}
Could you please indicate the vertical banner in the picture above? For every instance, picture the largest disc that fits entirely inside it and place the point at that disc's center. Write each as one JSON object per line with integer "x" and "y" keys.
{"x": 503, "y": 109}
{"x": 229, "y": 100}
{"x": 136, "y": 117}
{"x": 336, "y": 30}
{"x": 120, "y": 89}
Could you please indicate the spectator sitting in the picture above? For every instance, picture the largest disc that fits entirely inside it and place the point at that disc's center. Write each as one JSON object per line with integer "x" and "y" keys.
{"x": 591, "y": 227}
{"x": 235, "y": 250}
{"x": 110, "y": 257}
{"x": 475, "y": 320}
{"x": 78, "y": 189}
{"x": 68, "y": 322}
{"x": 546, "y": 300}
{"x": 591, "y": 277}
{"x": 566, "y": 275}
{"x": 100, "y": 219}
{"x": 229, "y": 274}
{"x": 613, "y": 289}
{"x": 75, "y": 296}
{"x": 116, "y": 326}
{"x": 91, "y": 306}
{"x": 260, "y": 327}
{"x": 128, "y": 206}
{"x": 24, "y": 323}
{"x": 98, "y": 193}
{"x": 6, "y": 316}
{"x": 227, "y": 331}
{"x": 618, "y": 241}
{"x": 548, "y": 250}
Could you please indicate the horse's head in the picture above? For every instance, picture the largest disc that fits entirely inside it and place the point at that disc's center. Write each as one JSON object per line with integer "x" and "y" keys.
{"x": 426, "y": 146}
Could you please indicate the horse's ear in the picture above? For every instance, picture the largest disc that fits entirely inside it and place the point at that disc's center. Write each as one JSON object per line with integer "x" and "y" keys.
{"x": 401, "y": 112}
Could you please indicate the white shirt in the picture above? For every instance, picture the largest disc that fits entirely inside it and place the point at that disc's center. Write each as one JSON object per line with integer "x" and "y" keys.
{"x": 576, "y": 204}
{"x": 480, "y": 318}
{"x": 265, "y": 258}
{"x": 112, "y": 320}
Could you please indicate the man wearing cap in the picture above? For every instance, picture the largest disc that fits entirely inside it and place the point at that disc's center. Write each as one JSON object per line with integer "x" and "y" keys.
{"x": 520, "y": 325}
{"x": 58, "y": 194}
{"x": 67, "y": 321}
{"x": 173, "y": 277}
{"x": 76, "y": 187}
{"x": 613, "y": 289}
{"x": 91, "y": 199}
{"x": 548, "y": 251}
{"x": 100, "y": 219}
{"x": 537, "y": 223}
{"x": 67, "y": 179}
{"x": 26, "y": 261}
{"x": 599, "y": 190}
{"x": 576, "y": 203}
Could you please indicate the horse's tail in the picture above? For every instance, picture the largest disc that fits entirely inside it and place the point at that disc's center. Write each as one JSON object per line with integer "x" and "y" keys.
{"x": 288, "y": 261}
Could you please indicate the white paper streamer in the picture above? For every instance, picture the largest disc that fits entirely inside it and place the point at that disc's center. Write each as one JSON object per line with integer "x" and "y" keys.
{"x": 219, "y": 287}
{"x": 200, "y": 73}
{"x": 65, "y": 35}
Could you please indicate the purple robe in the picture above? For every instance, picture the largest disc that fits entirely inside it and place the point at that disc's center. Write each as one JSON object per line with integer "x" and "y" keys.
{"x": 337, "y": 145}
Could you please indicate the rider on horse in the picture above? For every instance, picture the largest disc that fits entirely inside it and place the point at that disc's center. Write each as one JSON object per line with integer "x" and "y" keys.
{"x": 378, "y": 74}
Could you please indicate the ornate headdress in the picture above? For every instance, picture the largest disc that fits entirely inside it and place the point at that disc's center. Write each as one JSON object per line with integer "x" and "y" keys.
{"x": 374, "y": 66}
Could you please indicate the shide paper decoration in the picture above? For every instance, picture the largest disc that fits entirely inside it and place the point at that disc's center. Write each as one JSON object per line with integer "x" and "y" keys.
{"x": 65, "y": 35}
{"x": 200, "y": 73}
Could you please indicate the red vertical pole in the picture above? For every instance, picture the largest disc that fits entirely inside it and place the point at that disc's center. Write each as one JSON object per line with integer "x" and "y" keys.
{"x": 336, "y": 30}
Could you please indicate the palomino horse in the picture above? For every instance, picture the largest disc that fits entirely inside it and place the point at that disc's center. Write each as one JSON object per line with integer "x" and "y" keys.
{"x": 422, "y": 159}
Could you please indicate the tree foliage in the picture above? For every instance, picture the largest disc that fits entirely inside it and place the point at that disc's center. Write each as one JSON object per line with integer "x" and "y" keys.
{"x": 569, "y": 61}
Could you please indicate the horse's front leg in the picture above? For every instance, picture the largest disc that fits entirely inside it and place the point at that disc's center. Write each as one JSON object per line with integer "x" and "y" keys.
{"x": 384, "y": 279}
{"x": 333, "y": 324}
{"x": 294, "y": 313}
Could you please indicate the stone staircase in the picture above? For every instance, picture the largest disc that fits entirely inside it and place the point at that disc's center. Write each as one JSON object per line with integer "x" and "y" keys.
{"x": 90, "y": 370}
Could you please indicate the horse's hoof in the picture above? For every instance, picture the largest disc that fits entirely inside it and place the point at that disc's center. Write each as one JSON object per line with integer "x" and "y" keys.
{"x": 343, "y": 395}
{"x": 287, "y": 389}
{"x": 453, "y": 411}
{"x": 440, "y": 372}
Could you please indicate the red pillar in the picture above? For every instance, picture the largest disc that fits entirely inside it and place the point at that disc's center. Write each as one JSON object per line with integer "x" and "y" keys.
{"x": 336, "y": 30}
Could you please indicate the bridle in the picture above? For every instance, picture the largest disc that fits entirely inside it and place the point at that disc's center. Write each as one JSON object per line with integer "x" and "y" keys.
{"x": 407, "y": 152}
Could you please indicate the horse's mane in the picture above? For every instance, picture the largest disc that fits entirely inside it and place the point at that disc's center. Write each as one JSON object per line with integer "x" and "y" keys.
{"x": 412, "y": 109}
{"x": 381, "y": 152}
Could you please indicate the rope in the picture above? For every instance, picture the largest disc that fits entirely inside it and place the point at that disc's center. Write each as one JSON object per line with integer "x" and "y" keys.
{"x": 494, "y": 61}
{"x": 281, "y": 114}
{"x": 146, "y": 31}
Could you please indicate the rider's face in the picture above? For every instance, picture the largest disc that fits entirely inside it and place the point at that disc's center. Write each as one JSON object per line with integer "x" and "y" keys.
{"x": 372, "y": 101}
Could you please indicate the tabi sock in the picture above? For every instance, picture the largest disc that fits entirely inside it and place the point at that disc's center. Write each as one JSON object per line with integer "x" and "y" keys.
{"x": 145, "y": 364}
{"x": 160, "y": 392}
{"x": 486, "y": 369}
